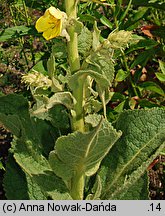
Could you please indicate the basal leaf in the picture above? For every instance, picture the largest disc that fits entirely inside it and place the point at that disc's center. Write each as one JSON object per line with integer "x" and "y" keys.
{"x": 137, "y": 191}
{"x": 96, "y": 190}
{"x": 82, "y": 152}
{"x": 14, "y": 182}
{"x": 52, "y": 186}
{"x": 142, "y": 140}
{"x": 27, "y": 147}
{"x": 11, "y": 122}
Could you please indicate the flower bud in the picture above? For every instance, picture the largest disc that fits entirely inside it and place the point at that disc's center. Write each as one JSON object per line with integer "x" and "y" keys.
{"x": 119, "y": 39}
{"x": 37, "y": 80}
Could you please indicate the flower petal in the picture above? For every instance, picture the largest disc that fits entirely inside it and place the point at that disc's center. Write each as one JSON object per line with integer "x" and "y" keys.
{"x": 55, "y": 12}
{"x": 43, "y": 23}
{"x": 53, "y": 31}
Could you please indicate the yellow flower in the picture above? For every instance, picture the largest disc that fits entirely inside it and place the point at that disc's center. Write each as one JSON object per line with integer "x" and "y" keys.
{"x": 51, "y": 23}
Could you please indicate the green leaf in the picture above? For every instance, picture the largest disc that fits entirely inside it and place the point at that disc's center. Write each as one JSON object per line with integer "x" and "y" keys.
{"x": 160, "y": 76}
{"x": 59, "y": 117}
{"x": 142, "y": 44}
{"x": 16, "y": 32}
{"x": 162, "y": 66}
{"x": 59, "y": 49}
{"x": 82, "y": 74}
{"x": 40, "y": 67}
{"x": 142, "y": 140}
{"x": 78, "y": 26}
{"x": 28, "y": 147}
{"x": 147, "y": 3}
{"x": 143, "y": 58}
{"x": 15, "y": 184}
{"x": 87, "y": 18}
{"x": 82, "y": 152}
{"x": 29, "y": 156}
{"x": 138, "y": 191}
{"x": 101, "y": 62}
{"x": 1, "y": 165}
{"x": 121, "y": 75}
{"x": 84, "y": 41}
{"x": 159, "y": 32}
{"x": 152, "y": 86}
{"x": 18, "y": 185}
{"x": 146, "y": 103}
{"x": 13, "y": 108}
{"x": 106, "y": 22}
{"x": 51, "y": 65}
{"x": 11, "y": 122}
{"x": 96, "y": 190}
{"x": 119, "y": 108}
{"x": 129, "y": 25}
{"x": 52, "y": 186}
{"x": 96, "y": 37}
{"x": 63, "y": 98}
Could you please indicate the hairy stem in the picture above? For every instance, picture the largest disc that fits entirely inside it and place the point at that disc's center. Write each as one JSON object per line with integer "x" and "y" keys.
{"x": 77, "y": 121}
{"x": 77, "y": 187}
{"x": 74, "y": 62}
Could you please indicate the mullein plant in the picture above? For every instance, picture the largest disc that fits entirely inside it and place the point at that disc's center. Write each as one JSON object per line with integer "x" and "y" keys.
{"x": 65, "y": 145}
{"x": 96, "y": 69}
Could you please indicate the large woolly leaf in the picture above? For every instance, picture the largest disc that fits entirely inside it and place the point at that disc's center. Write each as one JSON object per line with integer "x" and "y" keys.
{"x": 64, "y": 98}
{"x": 84, "y": 41}
{"x": 101, "y": 62}
{"x": 137, "y": 191}
{"x": 82, "y": 152}
{"x": 28, "y": 146}
{"x": 83, "y": 74}
{"x": 18, "y": 185}
{"x": 15, "y": 184}
{"x": 38, "y": 171}
{"x": 52, "y": 185}
{"x": 142, "y": 140}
